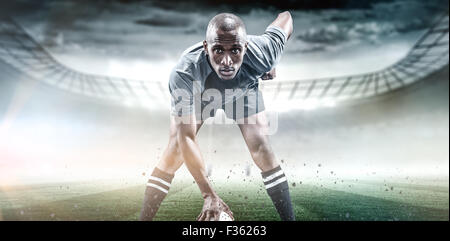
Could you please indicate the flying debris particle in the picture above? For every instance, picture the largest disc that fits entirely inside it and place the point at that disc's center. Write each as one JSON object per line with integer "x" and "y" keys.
{"x": 331, "y": 172}
{"x": 386, "y": 190}
{"x": 52, "y": 215}
{"x": 400, "y": 192}
{"x": 246, "y": 197}
{"x": 334, "y": 182}
{"x": 294, "y": 184}
{"x": 304, "y": 164}
{"x": 282, "y": 161}
{"x": 320, "y": 165}
{"x": 300, "y": 182}
{"x": 239, "y": 195}
{"x": 193, "y": 182}
{"x": 347, "y": 215}
{"x": 75, "y": 206}
{"x": 143, "y": 174}
{"x": 215, "y": 151}
{"x": 248, "y": 170}
{"x": 21, "y": 212}
{"x": 392, "y": 188}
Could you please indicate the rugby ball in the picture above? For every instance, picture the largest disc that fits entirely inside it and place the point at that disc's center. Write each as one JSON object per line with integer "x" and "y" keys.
{"x": 225, "y": 217}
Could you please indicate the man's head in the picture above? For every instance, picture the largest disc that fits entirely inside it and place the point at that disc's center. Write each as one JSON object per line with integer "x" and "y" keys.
{"x": 225, "y": 44}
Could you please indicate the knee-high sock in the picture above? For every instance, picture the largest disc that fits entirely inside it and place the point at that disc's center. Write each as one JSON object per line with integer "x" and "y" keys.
{"x": 157, "y": 188}
{"x": 278, "y": 189}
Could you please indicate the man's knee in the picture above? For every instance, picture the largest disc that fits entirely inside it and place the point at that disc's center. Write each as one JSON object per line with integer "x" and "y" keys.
{"x": 262, "y": 152}
{"x": 174, "y": 147}
{"x": 171, "y": 158}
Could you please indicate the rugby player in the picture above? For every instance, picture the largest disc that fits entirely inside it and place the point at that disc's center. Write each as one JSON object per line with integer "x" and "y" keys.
{"x": 222, "y": 72}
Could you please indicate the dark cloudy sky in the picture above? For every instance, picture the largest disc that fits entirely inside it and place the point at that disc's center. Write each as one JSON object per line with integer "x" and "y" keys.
{"x": 143, "y": 39}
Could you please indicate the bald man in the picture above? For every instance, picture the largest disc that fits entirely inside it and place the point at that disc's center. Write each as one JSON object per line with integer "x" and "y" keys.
{"x": 222, "y": 72}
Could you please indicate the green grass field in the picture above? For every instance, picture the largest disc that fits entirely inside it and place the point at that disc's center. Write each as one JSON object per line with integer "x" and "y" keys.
{"x": 344, "y": 200}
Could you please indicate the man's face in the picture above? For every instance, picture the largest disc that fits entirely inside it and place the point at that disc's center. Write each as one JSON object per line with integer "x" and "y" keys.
{"x": 226, "y": 51}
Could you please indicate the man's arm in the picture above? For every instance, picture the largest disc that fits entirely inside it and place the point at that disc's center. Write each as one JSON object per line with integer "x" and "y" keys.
{"x": 283, "y": 21}
{"x": 186, "y": 137}
{"x": 190, "y": 151}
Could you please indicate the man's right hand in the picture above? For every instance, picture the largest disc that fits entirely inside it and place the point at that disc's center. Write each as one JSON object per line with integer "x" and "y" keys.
{"x": 212, "y": 207}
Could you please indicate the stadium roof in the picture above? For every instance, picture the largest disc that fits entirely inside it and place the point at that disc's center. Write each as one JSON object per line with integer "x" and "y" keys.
{"x": 429, "y": 54}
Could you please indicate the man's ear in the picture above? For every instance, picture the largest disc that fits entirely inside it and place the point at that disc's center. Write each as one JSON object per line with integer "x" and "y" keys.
{"x": 245, "y": 47}
{"x": 205, "y": 46}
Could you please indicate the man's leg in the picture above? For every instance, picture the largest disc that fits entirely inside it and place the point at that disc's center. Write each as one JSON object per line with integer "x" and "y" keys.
{"x": 273, "y": 176}
{"x": 161, "y": 178}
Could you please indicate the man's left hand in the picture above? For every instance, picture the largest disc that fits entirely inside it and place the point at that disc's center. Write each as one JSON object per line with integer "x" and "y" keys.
{"x": 269, "y": 75}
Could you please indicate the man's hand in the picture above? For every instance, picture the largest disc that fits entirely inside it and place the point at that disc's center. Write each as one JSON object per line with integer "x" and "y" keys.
{"x": 269, "y": 75}
{"x": 212, "y": 207}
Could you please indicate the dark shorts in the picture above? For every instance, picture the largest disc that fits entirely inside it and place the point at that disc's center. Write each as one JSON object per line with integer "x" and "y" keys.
{"x": 244, "y": 106}
{"x": 248, "y": 104}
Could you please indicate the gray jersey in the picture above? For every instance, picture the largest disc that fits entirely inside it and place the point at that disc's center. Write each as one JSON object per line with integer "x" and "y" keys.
{"x": 193, "y": 75}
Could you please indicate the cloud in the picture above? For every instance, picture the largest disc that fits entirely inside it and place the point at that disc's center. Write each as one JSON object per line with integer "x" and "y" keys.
{"x": 331, "y": 34}
{"x": 155, "y": 31}
{"x": 335, "y": 34}
{"x": 166, "y": 20}
{"x": 386, "y": 19}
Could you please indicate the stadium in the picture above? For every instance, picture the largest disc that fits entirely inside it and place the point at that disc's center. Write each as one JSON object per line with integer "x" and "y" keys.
{"x": 360, "y": 119}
